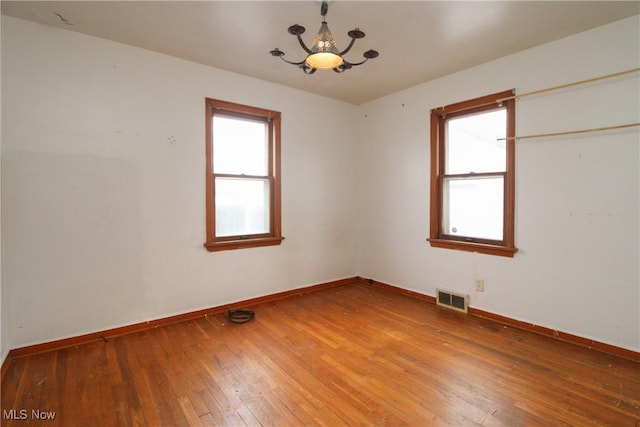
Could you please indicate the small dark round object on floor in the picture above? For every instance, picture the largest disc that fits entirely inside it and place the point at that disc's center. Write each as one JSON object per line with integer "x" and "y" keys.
{"x": 239, "y": 316}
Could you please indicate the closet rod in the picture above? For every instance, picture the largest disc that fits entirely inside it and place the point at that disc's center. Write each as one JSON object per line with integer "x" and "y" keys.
{"x": 595, "y": 79}
{"x": 571, "y": 132}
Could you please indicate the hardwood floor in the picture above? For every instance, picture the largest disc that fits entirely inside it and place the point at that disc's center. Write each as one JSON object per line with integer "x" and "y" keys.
{"x": 348, "y": 355}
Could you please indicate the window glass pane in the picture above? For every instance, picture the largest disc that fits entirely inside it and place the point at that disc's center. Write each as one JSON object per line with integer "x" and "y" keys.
{"x": 473, "y": 207}
{"x": 472, "y": 143}
{"x": 242, "y": 207}
{"x": 239, "y": 146}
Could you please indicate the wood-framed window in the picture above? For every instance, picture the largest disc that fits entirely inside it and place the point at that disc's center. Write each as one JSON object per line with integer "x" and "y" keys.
{"x": 473, "y": 175}
{"x": 242, "y": 176}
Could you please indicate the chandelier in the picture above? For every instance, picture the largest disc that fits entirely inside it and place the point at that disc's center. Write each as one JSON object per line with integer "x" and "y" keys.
{"x": 324, "y": 54}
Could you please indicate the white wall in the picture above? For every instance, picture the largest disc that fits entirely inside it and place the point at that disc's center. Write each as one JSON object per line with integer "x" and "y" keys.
{"x": 4, "y": 344}
{"x": 577, "y": 197}
{"x": 103, "y": 187}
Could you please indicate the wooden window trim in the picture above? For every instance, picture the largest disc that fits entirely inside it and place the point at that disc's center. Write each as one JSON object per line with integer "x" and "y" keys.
{"x": 437, "y": 238}
{"x": 274, "y": 237}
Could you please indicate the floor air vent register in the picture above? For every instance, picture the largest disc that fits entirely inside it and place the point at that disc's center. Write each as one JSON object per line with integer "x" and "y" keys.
{"x": 452, "y": 300}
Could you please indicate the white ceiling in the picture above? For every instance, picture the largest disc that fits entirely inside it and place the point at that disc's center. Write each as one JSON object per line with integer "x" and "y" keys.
{"x": 418, "y": 41}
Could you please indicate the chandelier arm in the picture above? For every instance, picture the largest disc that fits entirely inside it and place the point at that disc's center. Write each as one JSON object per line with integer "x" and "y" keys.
{"x": 306, "y": 49}
{"x": 353, "y": 64}
{"x": 353, "y": 40}
{"x": 370, "y": 54}
{"x": 291, "y": 62}
{"x": 308, "y": 70}
{"x": 339, "y": 70}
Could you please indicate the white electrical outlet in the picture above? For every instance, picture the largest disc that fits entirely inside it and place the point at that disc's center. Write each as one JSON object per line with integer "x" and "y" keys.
{"x": 480, "y": 285}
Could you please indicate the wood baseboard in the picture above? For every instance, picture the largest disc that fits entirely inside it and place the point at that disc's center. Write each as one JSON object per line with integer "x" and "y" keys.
{"x": 137, "y": 327}
{"x": 114, "y": 332}
{"x": 563, "y": 336}
{"x": 412, "y": 294}
{"x": 530, "y": 327}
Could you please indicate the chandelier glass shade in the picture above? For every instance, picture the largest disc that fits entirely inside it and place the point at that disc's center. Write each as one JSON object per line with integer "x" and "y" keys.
{"x": 324, "y": 54}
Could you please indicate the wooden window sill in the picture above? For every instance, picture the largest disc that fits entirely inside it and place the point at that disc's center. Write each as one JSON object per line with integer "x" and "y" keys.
{"x": 473, "y": 247}
{"x": 242, "y": 243}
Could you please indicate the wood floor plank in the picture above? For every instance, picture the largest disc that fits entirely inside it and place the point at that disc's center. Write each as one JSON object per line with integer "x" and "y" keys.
{"x": 192, "y": 417}
{"x": 347, "y": 355}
